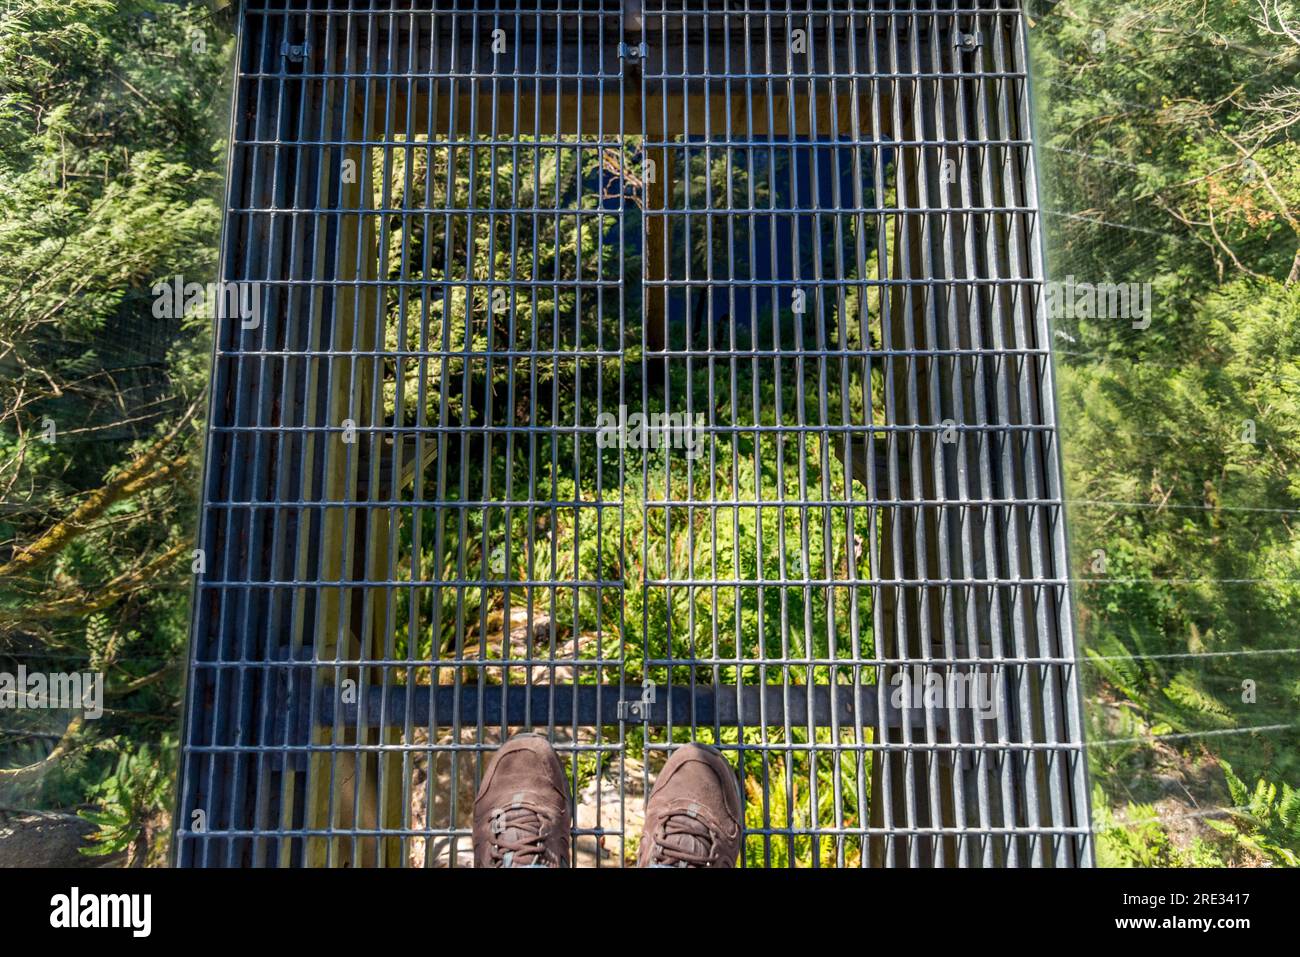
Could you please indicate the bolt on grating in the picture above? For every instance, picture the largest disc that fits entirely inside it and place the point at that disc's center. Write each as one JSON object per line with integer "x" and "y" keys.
{"x": 640, "y": 373}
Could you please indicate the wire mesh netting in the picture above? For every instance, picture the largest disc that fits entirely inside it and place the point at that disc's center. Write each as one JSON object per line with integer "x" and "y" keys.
{"x": 637, "y": 374}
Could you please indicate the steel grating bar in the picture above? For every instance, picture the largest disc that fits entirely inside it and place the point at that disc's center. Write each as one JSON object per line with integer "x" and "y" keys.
{"x": 805, "y": 236}
{"x": 720, "y": 705}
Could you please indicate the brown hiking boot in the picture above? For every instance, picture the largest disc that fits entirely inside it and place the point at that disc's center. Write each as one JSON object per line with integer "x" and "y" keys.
{"x": 521, "y": 813}
{"x": 693, "y": 816}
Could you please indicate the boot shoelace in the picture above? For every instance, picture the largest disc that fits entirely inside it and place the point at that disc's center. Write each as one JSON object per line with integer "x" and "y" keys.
{"x": 527, "y": 845}
{"x": 686, "y": 825}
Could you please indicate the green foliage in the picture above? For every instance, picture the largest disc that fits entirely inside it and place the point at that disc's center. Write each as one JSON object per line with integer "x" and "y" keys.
{"x": 111, "y": 148}
{"x": 1136, "y": 837}
{"x": 613, "y": 525}
{"x": 128, "y": 801}
{"x": 1138, "y": 842}
{"x": 1170, "y": 143}
{"x": 1265, "y": 820}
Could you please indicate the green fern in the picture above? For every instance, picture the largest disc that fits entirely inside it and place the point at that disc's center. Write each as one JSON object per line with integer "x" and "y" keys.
{"x": 1196, "y": 703}
{"x": 1136, "y": 841}
{"x": 1264, "y": 820}
{"x": 1118, "y": 666}
{"x": 136, "y": 790}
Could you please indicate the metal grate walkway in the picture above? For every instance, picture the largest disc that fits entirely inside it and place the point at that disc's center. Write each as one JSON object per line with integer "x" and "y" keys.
{"x": 639, "y": 373}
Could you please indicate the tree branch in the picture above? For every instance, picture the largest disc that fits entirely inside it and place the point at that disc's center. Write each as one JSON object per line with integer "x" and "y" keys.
{"x": 19, "y": 775}
{"x": 104, "y": 597}
{"x": 141, "y": 474}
